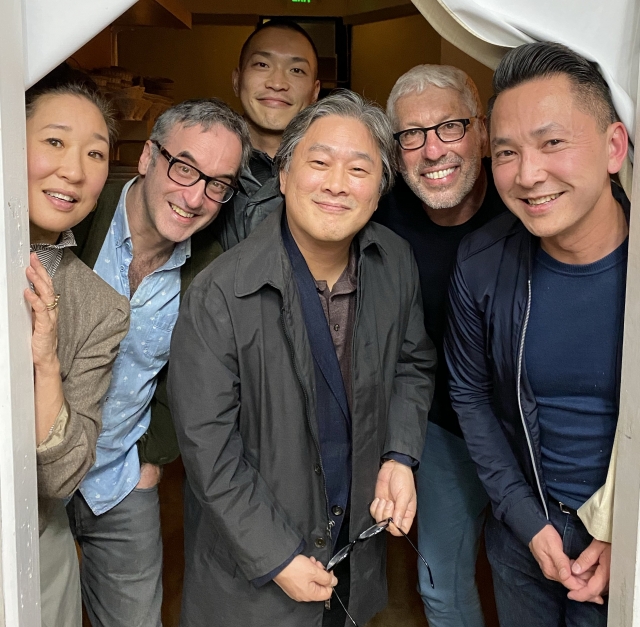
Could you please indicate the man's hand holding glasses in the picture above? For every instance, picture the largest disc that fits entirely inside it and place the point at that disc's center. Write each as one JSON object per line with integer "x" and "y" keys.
{"x": 305, "y": 579}
{"x": 395, "y": 497}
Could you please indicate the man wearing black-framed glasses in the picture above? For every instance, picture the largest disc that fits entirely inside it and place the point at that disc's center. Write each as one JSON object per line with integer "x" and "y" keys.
{"x": 446, "y": 191}
{"x": 147, "y": 238}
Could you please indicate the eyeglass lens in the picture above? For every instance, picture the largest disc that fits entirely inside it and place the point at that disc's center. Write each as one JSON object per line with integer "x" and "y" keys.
{"x": 184, "y": 174}
{"x": 342, "y": 554}
{"x": 365, "y": 535}
{"x": 447, "y": 132}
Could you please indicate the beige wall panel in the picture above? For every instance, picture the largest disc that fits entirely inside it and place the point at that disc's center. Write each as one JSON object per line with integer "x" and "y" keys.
{"x": 382, "y": 51}
{"x": 480, "y": 74}
{"x": 200, "y": 61}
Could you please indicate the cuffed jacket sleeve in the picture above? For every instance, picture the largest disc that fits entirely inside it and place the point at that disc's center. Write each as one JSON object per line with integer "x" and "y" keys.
{"x": 204, "y": 397}
{"x": 471, "y": 384}
{"x": 414, "y": 381}
{"x": 87, "y": 350}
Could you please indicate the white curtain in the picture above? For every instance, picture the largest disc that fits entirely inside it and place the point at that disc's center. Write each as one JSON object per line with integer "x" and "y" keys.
{"x": 54, "y": 29}
{"x": 604, "y": 31}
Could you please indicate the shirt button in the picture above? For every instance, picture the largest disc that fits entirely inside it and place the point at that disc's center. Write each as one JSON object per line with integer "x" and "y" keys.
{"x": 317, "y": 469}
{"x": 336, "y": 510}
{"x": 320, "y": 543}
{"x": 336, "y": 327}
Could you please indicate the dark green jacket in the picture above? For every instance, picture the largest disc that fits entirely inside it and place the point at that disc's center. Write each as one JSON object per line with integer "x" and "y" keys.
{"x": 158, "y": 445}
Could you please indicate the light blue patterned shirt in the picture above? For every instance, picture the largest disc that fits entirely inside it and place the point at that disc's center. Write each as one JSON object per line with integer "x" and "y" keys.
{"x": 143, "y": 353}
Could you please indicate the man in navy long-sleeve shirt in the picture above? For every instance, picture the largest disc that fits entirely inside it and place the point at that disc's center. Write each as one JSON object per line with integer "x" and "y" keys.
{"x": 535, "y": 328}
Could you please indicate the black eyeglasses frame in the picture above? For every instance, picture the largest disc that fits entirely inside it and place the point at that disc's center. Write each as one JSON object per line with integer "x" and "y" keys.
{"x": 435, "y": 128}
{"x": 202, "y": 176}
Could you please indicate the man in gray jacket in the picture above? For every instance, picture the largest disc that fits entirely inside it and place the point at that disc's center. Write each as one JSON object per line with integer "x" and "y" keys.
{"x": 276, "y": 77}
{"x": 300, "y": 381}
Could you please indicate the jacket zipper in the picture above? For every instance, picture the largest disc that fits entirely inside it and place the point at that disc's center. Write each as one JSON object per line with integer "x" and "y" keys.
{"x": 519, "y": 388}
{"x": 330, "y": 523}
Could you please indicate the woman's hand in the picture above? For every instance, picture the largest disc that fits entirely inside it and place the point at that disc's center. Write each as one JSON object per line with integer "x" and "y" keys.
{"x": 44, "y": 341}
{"x": 48, "y": 392}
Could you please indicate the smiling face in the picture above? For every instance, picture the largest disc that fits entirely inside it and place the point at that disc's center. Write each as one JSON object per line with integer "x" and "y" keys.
{"x": 440, "y": 173}
{"x": 277, "y": 79}
{"x": 168, "y": 212}
{"x": 332, "y": 186}
{"x": 67, "y": 163}
{"x": 551, "y": 161}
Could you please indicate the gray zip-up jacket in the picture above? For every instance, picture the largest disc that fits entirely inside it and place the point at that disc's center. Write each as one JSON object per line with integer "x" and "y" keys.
{"x": 251, "y": 205}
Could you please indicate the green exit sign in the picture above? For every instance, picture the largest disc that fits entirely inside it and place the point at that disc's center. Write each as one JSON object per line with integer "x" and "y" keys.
{"x": 302, "y": 1}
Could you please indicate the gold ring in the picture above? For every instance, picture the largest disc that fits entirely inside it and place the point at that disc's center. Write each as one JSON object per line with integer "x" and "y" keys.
{"x": 54, "y": 304}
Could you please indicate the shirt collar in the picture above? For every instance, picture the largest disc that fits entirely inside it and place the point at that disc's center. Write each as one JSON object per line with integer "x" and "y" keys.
{"x": 65, "y": 240}
{"x": 348, "y": 280}
{"x": 50, "y": 255}
{"x": 120, "y": 223}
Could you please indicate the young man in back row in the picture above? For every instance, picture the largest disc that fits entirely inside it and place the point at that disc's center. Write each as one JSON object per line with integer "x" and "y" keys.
{"x": 276, "y": 77}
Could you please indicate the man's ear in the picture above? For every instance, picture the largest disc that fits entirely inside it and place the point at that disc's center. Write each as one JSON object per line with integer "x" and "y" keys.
{"x": 316, "y": 91}
{"x": 484, "y": 135}
{"x": 283, "y": 182}
{"x": 235, "y": 81}
{"x": 145, "y": 158}
{"x": 618, "y": 144}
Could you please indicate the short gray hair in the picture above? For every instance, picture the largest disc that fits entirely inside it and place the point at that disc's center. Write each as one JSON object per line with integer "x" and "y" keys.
{"x": 205, "y": 112}
{"x": 345, "y": 104}
{"x": 417, "y": 79}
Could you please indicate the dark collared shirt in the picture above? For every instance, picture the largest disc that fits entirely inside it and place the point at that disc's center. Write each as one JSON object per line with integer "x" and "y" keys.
{"x": 339, "y": 306}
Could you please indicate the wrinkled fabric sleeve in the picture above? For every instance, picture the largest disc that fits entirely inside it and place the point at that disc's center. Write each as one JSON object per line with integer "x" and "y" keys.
{"x": 405, "y": 460}
{"x": 58, "y": 429}
{"x": 204, "y": 398}
{"x": 261, "y": 581}
{"x": 414, "y": 379}
{"x": 513, "y": 500}
{"x": 597, "y": 512}
{"x": 63, "y": 464}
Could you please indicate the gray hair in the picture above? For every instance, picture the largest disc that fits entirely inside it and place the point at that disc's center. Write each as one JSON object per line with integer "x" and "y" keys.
{"x": 345, "y": 104}
{"x": 417, "y": 79}
{"x": 205, "y": 112}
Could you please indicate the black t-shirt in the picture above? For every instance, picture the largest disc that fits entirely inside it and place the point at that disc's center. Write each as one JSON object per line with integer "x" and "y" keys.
{"x": 435, "y": 248}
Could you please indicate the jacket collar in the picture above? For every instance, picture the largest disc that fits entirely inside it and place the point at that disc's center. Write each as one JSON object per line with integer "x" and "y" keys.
{"x": 263, "y": 260}
{"x": 251, "y": 188}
